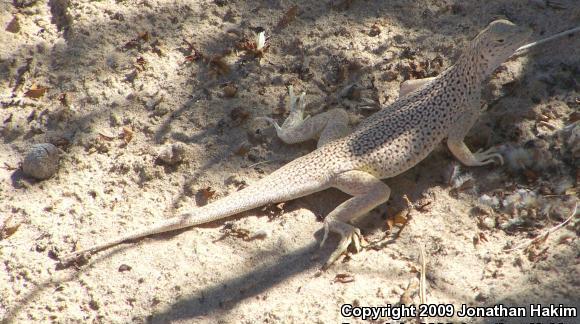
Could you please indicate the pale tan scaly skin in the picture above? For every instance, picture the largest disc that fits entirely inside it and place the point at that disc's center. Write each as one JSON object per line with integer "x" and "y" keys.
{"x": 386, "y": 144}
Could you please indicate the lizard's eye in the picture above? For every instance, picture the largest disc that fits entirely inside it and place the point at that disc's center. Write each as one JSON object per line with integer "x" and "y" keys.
{"x": 500, "y": 40}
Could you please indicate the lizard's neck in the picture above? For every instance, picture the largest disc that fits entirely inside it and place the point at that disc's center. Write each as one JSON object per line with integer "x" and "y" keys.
{"x": 473, "y": 67}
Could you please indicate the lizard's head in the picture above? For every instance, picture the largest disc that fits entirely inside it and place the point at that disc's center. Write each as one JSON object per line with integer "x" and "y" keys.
{"x": 498, "y": 41}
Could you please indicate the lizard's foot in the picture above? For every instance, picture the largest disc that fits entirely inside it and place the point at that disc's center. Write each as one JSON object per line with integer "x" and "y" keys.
{"x": 349, "y": 235}
{"x": 487, "y": 156}
{"x": 479, "y": 158}
{"x": 327, "y": 126}
{"x": 295, "y": 118}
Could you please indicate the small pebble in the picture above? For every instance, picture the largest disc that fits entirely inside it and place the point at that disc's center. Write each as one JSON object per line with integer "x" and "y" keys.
{"x": 42, "y": 161}
{"x": 124, "y": 267}
{"x": 172, "y": 154}
{"x": 488, "y": 223}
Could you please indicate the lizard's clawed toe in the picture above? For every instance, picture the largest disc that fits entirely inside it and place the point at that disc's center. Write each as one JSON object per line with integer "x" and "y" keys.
{"x": 488, "y": 156}
{"x": 350, "y": 235}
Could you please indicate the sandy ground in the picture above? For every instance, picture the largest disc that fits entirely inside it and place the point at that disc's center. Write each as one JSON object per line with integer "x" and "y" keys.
{"x": 113, "y": 83}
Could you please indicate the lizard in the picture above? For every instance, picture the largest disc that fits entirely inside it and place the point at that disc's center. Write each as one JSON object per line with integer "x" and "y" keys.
{"x": 384, "y": 145}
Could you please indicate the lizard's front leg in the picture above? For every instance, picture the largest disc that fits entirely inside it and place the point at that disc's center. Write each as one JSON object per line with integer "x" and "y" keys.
{"x": 461, "y": 151}
{"x": 412, "y": 85}
{"x": 327, "y": 126}
{"x": 368, "y": 192}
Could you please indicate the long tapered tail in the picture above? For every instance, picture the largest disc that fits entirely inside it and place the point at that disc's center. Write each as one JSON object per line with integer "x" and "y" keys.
{"x": 281, "y": 185}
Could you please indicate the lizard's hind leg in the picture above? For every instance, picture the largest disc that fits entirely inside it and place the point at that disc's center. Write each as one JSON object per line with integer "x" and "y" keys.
{"x": 327, "y": 126}
{"x": 368, "y": 192}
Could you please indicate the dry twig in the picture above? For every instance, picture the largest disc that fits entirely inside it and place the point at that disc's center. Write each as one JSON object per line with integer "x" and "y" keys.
{"x": 423, "y": 279}
{"x": 544, "y": 236}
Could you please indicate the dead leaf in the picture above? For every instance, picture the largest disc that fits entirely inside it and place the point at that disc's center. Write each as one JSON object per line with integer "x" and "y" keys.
{"x": 243, "y": 149}
{"x": 106, "y": 137}
{"x": 466, "y": 185}
{"x": 62, "y": 98}
{"x": 239, "y": 115}
{"x": 390, "y": 223}
{"x": 230, "y": 91}
{"x": 424, "y": 206}
{"x": 207, "y": 193}
{"x": 35, "y": 92}
{"x": 274, "y": 210}
{"x": 400, "y": 219}
{"x": 530, "y": 175}
{"x": 140, "y": 64}
{"x": 342, "y": 73}
{"x": 9, "y": 167}
{"x": 239, "y": 184}
{"x": 156, "y": 47}
{"x": 192, "y": 57}
{"x": 218, "y": 65}
{"x": 535, "y": 256}
{"x": 246, "y": 45}
{"x": 375, "y": 30}
{"x": 13, "y": 25}
{"x": 344, "y": 278}
{"x": 235, "y": 231}
{"x": 280, "y": 206}
{"x": 144, "y": 36}
{"x": 482, "y": 237}
{"x": 288, "y": 17}
{"x": 136, "y": 42}
{"x": 541, "y": 240}
{"x": 566, "y": 239}
{"x": 61, "y": 142}
{"x": 126, "y": 135}
{"x": 9, "y": 226}
{"x": 533, "y": 250}
{"x": 194, "y": 53}
{"x": 407, "y": 296}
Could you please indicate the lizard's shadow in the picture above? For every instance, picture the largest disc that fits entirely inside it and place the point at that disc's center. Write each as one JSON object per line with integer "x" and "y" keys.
{"x": 218, "y": 299}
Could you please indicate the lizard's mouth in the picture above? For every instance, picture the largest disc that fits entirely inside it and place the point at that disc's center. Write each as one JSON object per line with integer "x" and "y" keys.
{"x": 524, "y": 34}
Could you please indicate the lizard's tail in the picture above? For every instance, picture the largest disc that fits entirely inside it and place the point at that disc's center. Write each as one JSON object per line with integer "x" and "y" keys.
{"x": 279, "y": 186}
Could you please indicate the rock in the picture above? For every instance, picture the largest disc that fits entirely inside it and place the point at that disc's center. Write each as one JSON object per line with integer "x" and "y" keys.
{"x": 24, "y": 3}
{"x": 488, "y": 223}
{"x": 172, "y": 154}
{"x": 42, "y": 161}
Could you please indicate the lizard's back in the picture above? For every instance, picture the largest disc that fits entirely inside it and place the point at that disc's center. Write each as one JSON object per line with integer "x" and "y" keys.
{"x": 400, "y": 136}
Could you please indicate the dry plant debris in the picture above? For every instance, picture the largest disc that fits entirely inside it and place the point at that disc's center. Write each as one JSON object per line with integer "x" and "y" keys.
{"x": 9, "y": 225}
{"x": 35, "y": 92}
{"x": 343, "y": 278}
{"x": 288, "y": 17}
